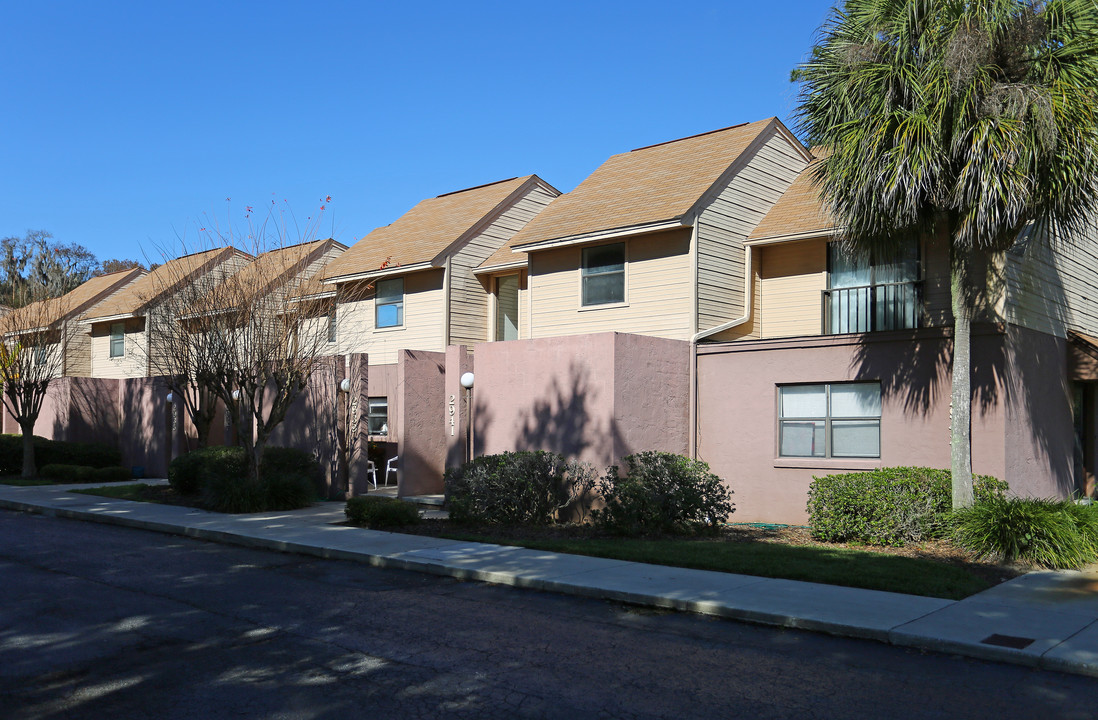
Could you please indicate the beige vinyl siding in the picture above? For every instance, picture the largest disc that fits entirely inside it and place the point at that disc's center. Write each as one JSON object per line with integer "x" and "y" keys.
{"x": 424, "y": 325}
{"x": 468, "y": 300}
{"x": 132, "y": 364}
{"x": 726, "y": 222}
{"x": 792, "y": 278}
{"x": 78, "y": 354}
{"x": 659, "y": 301}
{"x": 1052, "y": 286}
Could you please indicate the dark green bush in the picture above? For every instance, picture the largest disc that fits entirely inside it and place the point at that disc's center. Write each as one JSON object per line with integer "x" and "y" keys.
{"x": 890, "y": 506}
{"x": 55, "y": 452}
{"x": 292, "y": 478}
{"x": 380, "y": 513}
{"x": 514, "y": 487}
{"x": 662, "y": 493}
{"x": 67, "y": 473}
{"x": 184, "y": 471}
{"x": 1044, "y": 532}
{"x": 111, "y": 474}
{"x": 289, "y": 478}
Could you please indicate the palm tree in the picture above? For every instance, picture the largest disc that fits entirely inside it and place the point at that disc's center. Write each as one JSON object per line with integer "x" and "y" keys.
{"x": 972, "y": 120}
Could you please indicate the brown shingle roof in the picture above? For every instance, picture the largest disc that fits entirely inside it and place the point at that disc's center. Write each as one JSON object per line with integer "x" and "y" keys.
{"x": 652, "y": 184}
{"x": 272, "y": 269}
{"x": 419, "y": 235}
{"x": 504, "y": 255}
{"x": 46, "y": 312}
{"x": 133, "y": 299}
{"x": 798, "y": 211}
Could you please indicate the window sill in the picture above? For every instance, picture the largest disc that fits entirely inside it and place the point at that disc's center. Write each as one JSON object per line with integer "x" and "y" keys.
{"x": 604, "y": 306}
{"x": 380, "y": 438}
{"x": 394, "y": 328}
{"x": 828, "y": 463}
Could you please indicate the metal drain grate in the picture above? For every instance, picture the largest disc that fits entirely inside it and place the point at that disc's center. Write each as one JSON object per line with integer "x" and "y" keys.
{"x": 1008, "y": 641}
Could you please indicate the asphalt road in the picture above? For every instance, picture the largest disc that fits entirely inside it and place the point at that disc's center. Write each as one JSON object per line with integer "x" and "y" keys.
{"x": 105, "y": 622}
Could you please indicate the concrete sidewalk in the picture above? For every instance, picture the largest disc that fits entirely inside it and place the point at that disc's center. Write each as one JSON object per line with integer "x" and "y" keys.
{"x": 1043, "y": 619}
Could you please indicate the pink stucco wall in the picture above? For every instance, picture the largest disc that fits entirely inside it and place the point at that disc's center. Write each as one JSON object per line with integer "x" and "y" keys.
{"x": 592, "y": 397}
{"x": 421, "y": 385}
{"x": 737, "y": 411}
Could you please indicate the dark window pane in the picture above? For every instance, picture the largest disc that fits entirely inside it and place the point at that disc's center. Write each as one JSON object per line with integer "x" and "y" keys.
{"x": 602, "y": 289}
{"x": 604, "y": 258}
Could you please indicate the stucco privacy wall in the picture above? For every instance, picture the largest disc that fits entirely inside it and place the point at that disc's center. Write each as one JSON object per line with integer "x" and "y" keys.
{"x": 737, "y": 412}
{"x": 591, "y": 397}
{"x": 78, "y": 409}
{"x": 421, "y": 386}
{"x": 145, "y": 423}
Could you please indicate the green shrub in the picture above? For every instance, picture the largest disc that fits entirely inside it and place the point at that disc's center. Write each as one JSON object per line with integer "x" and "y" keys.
{"x": 292, "y": 478}
{"x": 662, "y": 493}
{"x": 1044, "y": 532}
{"x": 67, "y": 473}
{"x": 111, "y": 474}
{"x": 514, "y": 487}
{"x": 1086, "y": 523}
{"x": 184, "y": 471}
{"x": 55, "y": 452}
{"x": 890, "y": 506}
{"x": 380, "y": 513}
{"x": 289, "y": 478}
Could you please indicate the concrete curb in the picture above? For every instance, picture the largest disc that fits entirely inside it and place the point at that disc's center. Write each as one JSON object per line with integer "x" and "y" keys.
{"x": 900, "y": 620}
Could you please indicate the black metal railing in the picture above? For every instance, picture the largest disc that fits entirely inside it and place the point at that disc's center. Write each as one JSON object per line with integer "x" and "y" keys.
{"x": 888, "y": 306}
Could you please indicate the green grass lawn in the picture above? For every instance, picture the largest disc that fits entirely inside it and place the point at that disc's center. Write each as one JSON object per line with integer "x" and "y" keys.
{"x": 24, "y": 482}
{"x": 832, "y": 566}
{"x": 136, "y": 491}
{"x": 811, "y": 563}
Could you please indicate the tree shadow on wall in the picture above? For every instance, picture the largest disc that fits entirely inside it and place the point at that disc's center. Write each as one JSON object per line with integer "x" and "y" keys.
{"x": 564, "y": 419}
{"x": 1006, "y": 373}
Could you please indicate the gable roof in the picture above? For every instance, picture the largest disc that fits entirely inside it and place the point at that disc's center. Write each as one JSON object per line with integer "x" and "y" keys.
{"x": 658, "y": 184}
{"x": 421, "y": 237}
{"x": 272, "y": 270}
{"x": 136, "y": 297}
{"x": 44, "y": 313}
{"x": 800, "y": 211}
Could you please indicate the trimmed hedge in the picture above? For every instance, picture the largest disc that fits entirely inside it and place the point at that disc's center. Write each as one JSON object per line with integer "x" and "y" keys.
{"x": 290, "y": 478}
{"x": 527, "y": 487}
{"x": 890, "y": 506}
{"x": 83, "y": 473}
{"x": 380, "y": 513}
{"x": 1052, "y": 533}
{"x": 663, "y": 493}
{"x": 56, "y": 452}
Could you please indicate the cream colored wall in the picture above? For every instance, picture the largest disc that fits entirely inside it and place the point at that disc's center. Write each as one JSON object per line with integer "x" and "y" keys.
{"x": 727, "y": 221}
{"x": 133, "y": 362}
{"x": 469, "y": 301}
{"x": 78, "y": 352}
{"x": 424, "y": 320}
{"x": 658, "y": 293}
{"x": 792, "y": 278}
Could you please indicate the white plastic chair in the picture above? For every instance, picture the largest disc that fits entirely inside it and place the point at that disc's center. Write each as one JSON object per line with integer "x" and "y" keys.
{"x": 371, "y": 472}
{"x": 391, "y": 467}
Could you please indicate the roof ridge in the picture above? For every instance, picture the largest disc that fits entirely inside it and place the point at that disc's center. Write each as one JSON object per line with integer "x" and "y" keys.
{"x": 477, "y": 187}
{"x": 691, "y": 137}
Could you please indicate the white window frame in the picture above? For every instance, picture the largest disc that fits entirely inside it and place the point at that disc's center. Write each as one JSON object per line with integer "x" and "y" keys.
{"x": 378, "y": 304}
{"x": 371, "y": 416}
{"x": 585, "y": 273}
{"x": 828, "y": 419}
{"x": 120, "y": 328}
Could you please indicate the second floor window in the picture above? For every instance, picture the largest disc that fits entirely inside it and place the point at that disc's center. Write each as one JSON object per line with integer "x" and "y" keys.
{"x": 864, "y": 296}
{"x": 603, "y": 274}
{"x": 118, "y": 339}
{"x": 389, "y": 303}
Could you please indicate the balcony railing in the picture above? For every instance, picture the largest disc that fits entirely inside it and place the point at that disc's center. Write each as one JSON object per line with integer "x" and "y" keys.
{"x": 889, "y": 306}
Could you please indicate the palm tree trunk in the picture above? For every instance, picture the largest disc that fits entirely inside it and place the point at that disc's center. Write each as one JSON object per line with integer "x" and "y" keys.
{"x": 960, "y": 446}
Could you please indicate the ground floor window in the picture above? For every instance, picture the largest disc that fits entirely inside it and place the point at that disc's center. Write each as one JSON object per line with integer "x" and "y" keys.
{"x": 378, "y": 416}
{"x": 830, "y": 420}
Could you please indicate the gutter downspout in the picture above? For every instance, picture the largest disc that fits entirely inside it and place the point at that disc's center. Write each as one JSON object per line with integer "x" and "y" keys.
{"x": 446, "y": 295}
{"x": 748, "y": 295}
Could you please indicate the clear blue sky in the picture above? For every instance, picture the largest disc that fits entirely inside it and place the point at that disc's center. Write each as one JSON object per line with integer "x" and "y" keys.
{"x": 125, "y": 122}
